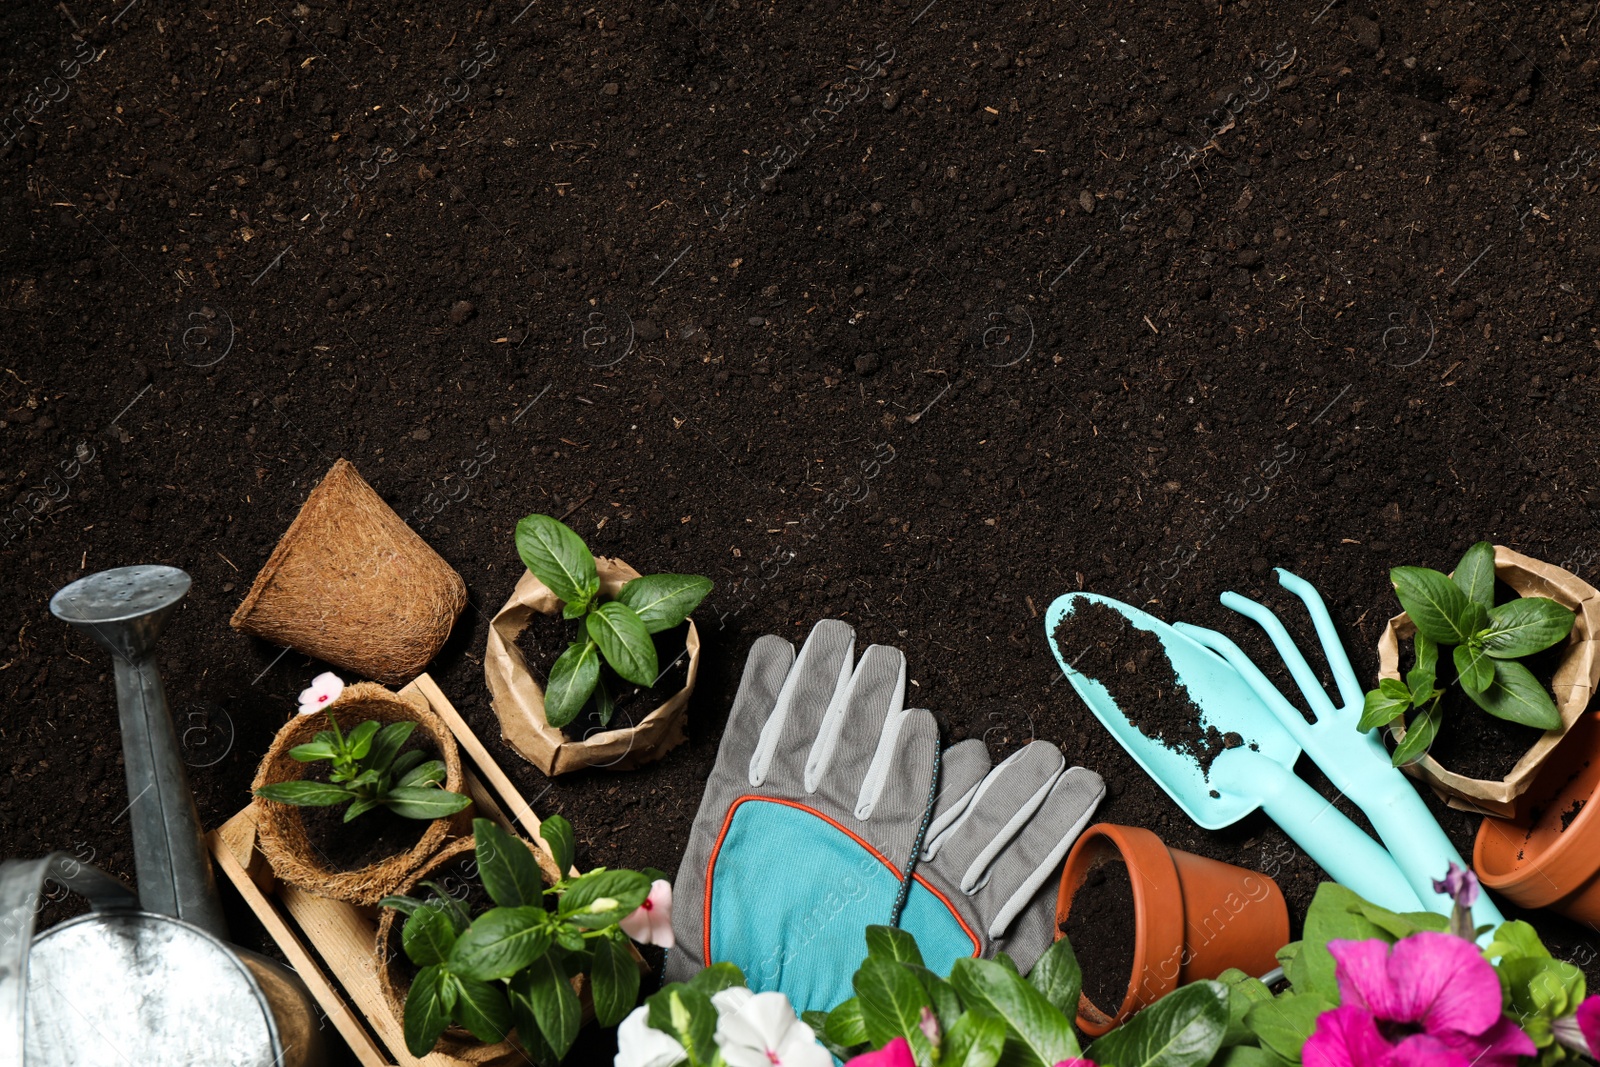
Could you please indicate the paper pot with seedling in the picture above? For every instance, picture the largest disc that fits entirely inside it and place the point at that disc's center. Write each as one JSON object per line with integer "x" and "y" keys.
{"x": 615, "y": 696}
{"x": 1466, "y": 640}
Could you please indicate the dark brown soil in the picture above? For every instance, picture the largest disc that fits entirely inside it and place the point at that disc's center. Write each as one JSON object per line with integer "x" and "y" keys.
{"x": 368, "y": 838}
{"x": 1135, "y": 670}
{"x": 969, "y": 350}
{"x": 547, "y": 636}
{"x": 1571, "y": 813}
{"x": 1100, "y": 927}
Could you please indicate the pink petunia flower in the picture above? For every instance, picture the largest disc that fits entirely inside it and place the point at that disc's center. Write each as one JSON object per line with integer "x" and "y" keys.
{"x": 896, "y": 1053}
{"x": 1432, "y": 999}
{"x": 1580, "y": 1031}
{"x": 1460, "y": 884}
{"x": 651, "y": 922}
{"x": 324, "y": 690}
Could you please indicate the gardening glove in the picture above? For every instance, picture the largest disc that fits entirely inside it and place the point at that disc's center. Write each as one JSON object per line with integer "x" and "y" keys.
{"x": 817, "y": 801}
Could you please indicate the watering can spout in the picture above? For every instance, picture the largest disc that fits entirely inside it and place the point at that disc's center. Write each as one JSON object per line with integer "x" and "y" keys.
{"x": 124, "y": 610}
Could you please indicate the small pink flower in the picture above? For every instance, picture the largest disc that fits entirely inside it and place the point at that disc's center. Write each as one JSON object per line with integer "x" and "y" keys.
{"x": 1460, "y": 885}
{"x": 896, "y": 1053}
{"x": 1580, "y": 1031}
{"x": 651, "y": 923}
{"x": 325, "y": 689}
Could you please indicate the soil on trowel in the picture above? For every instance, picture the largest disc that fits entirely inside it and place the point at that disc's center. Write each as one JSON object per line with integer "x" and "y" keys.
{"x": 367, "y": 839}
{"x": 547, "y": 636}
{"x": 1100, "y": 927}
{"x": 1134, "y": 668}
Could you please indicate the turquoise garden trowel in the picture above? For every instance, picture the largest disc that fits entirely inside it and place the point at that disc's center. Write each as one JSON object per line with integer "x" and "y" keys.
{"x": 1256, "y": 774}
{"x": 1356, "y": 763}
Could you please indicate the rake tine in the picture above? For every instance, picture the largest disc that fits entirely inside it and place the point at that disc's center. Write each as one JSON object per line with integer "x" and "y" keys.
{"x": 1287, "y": 713}
{"x": 1321, "y": 706}
{"x": 1338, "y": 660}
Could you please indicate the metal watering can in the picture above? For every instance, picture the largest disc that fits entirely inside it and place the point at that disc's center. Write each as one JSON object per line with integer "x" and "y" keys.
{"x": 146, "y": 978}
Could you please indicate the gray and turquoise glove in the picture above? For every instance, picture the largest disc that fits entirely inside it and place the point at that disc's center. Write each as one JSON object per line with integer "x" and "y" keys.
{"x": 820, "y": 795}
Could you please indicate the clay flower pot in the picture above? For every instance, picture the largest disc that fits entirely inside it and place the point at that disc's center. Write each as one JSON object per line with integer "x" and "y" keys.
{"x": 390, "y": 957}
{"x": 294, "y": 856}
{"x": 1549, "y": 856}
{"x": 1573, "y": 683}
{"x": 1193, "y": 917}
{"x": 351, "y": 584}
{"x": 519, "y": 700}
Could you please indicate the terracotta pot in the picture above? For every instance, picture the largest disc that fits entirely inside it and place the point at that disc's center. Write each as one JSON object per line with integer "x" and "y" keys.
{"x": 282, "y": 830}
{"x": 518, "y": 699}
{"x": 1549, "y": 856}
{"x": 1193, "y": 917}
{"x": 1573, "y": 683}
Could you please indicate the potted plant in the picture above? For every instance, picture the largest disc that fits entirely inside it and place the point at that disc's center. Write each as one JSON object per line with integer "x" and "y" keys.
{"x": 1151, "y": 918}
{"x": 1477, "y": 723}
{"x": 355, "y": 796}
{"x": 609, "y": 639}
{"x": 495, "y": 964}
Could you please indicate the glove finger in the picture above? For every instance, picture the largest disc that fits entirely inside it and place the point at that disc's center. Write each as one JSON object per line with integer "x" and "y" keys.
{"x": 819, "y": 672}
{"x": 1017, "y": 876}
{"x": 961, "y": 769}
{"x": 855, "y": 723}
{"x": 1006, "y": 798}
{"x": 894, "y": 790}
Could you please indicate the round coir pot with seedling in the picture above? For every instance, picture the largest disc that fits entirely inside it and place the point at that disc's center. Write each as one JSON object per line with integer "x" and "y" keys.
{"x": 1503, "y": 663}
{"x": 590, "y": 663}
{"x": 353, "y": 798}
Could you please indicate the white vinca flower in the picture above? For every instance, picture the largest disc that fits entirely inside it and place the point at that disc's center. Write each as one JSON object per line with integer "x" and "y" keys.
{"x": 761, "y": 1030}
{"x": 641, "y": 1045}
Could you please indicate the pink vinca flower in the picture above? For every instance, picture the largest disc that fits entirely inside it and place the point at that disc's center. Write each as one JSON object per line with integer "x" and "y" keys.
{"x": 651, "y": 922}
{"x": 896, "y": 1053}
{"x": 1433, "y": 1000}
{"x": 325, "y": 689}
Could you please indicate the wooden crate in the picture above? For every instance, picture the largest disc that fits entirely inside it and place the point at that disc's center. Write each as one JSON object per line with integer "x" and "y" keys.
{"x": 330, "y": 943}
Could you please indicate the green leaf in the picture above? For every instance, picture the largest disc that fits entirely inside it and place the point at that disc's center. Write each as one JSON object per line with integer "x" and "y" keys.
{"x": 941, "y": 994}
{"x": 551, "y": 1001}
{"x": 1244, "y": 993}
{"x": 1474, "y": 575}
{"x": 424, "y": 802}
{"x": 717, "y": 977}
{"x": 892, "y": 944}
{"x": 427, "y": 1013}
{"x": 1474, "y": 668}
{"x": 306, "y": 794}
{"x": 556, "y": 556}
{"x": 500, "y": 942}
{"x": 529, "y": 1035}
{"x": 1183, "y": 1029}
{"x": 818, "y": 1021}
{"x": 386, "y": 746}
{"x": 429, "y": 773}
{"x": 359, "y": 806}
{"x": 1251, "y": 1056}
{"x": 687, "y": 1015}
{"x": 1516, "y": 696}
{"x": 459, "y": 919}
{"x": 614, "y": 980}
{"x": 1425, "y": 652}
{"x": 1437, "y": 605}
{"x": 976, "y": 1040}
{"x": 1545, "y": 987}
{"x": 627, "y": 889}
{"x": 891, "y": 1005}
{"x": 1403, "y": 924}
{"x": 1527, "y": 625}
{"x": 406, "y": 906}
{"x": 313, "y": 750}
{"x": 1284, "y": 1024}
{"x": 624, "y": 642}
{"x": 1058, "y": 976}
{"x": 572, "y": 679}
{"x": 557, "y": 833}
{"x": 428, "y": 936}
{"x": 1420, "y": 732}
{"x": 1420, "y": 685}
{"x": 406, "y": 761}
{"x": 662, "y": 601}
{"x": 605, "y": 705}
{"x": 482, "y": 1008}
{"x": 506, "y": 868}
{"x": 1036, "y": 1033}
{"x": 358, "y": 742}
{"x": 1383, "y": 704}
{"x": 1516, "y": 940}
{"x": 845, "y": 1026}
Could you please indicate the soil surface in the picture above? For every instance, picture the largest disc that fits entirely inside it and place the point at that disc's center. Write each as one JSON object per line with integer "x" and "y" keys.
{"x": 548, "y": 636}
{"x": 367, "y": 839}
{"x": 1100, "y": 927}
{"x": 1049, "y": 298}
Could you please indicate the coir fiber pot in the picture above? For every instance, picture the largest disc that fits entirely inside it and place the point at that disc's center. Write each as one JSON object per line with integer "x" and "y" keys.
{"x": 1549, "y": 855}
{"x": 351, "y": 584}
{"x": 282, "y": 828}
{"x": 519, "y": 700}
{"x": 1193, "y": 917}
{"x": 1572, "y": 685}
{"x": 393, "y": 976}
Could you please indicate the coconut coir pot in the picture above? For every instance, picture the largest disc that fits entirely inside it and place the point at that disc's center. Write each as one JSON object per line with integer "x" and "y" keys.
{"x": 1193, "y": 918}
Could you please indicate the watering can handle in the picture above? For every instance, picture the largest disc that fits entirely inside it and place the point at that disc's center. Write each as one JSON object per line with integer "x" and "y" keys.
{"x": 21, "y": 882}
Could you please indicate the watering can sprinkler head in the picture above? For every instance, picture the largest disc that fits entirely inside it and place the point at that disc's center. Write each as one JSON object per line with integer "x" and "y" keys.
{"x": 125, "y": 609}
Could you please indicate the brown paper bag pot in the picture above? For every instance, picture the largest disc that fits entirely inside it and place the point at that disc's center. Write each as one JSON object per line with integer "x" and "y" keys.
{"x": 283, "y": 833}
{"x": 351, "y": 584}
{"x": 1572, "y": 685}
{"x": 519, "y": 700}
